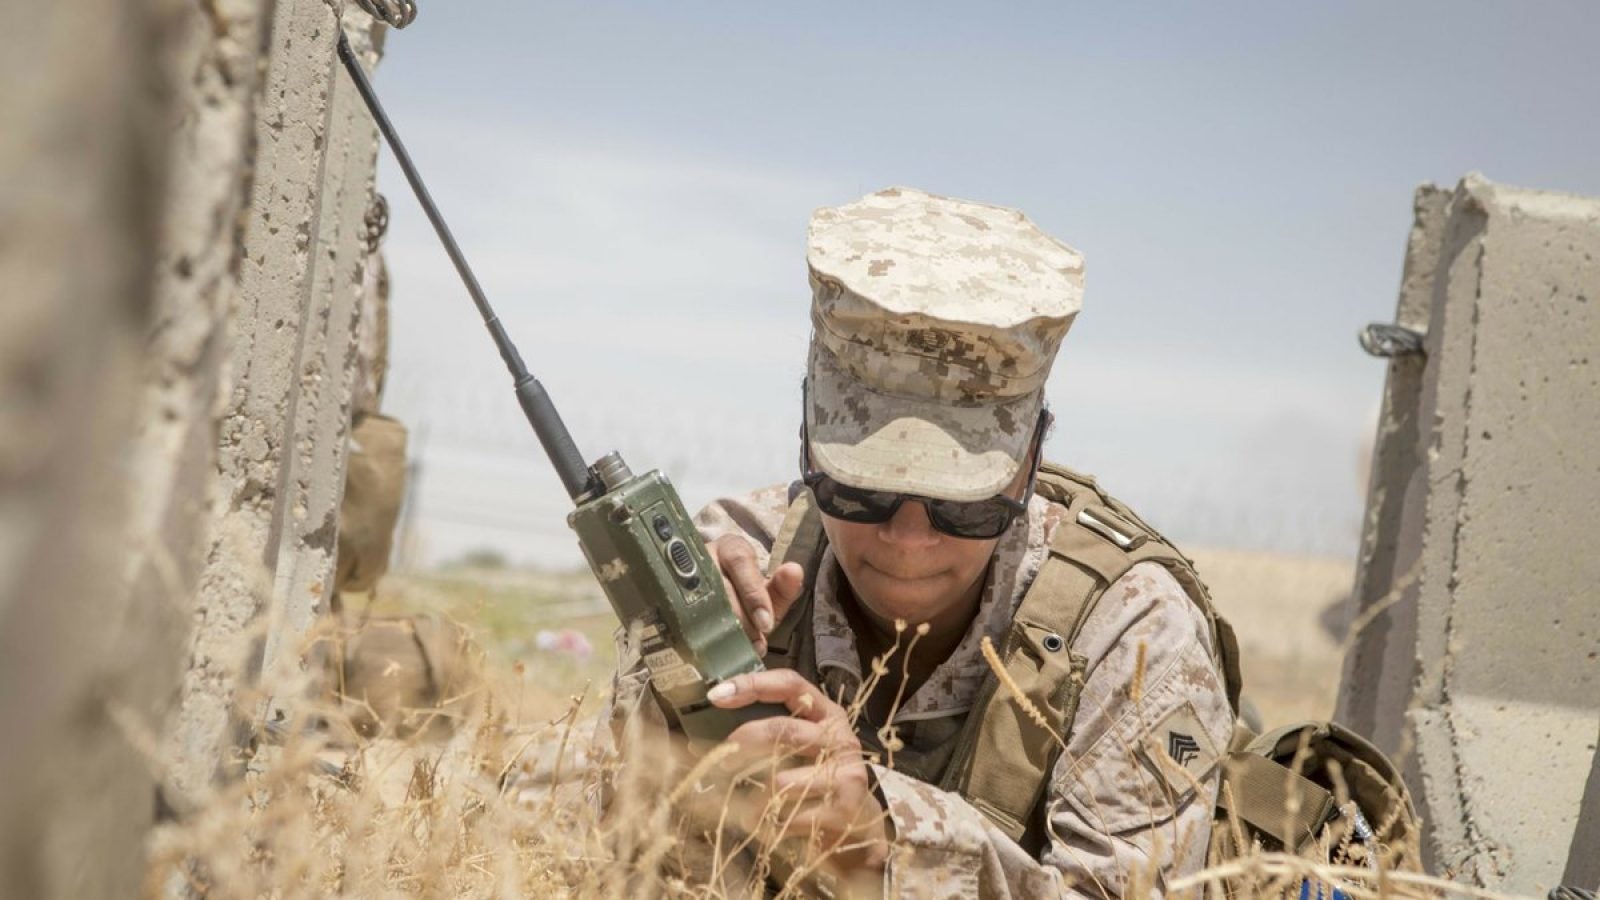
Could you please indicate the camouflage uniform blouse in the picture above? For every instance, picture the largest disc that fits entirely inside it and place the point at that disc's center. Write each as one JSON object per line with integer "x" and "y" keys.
{"x": 1123, "y": 818}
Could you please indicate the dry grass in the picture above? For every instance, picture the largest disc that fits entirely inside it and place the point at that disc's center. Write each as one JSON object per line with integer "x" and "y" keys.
{"x": 1288, "y": 614}
{"x": 510, "y": 804}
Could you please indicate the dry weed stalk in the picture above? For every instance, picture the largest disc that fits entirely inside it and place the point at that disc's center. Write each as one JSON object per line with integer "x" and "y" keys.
{"x": 502, "y": 810}
{"x": 1033, "y": 712}
{"x": 888, "y": 735}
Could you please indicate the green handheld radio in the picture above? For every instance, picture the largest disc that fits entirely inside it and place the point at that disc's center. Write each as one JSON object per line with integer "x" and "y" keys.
{"x": 634, "y": 531}
{"x": 645, "y": 551}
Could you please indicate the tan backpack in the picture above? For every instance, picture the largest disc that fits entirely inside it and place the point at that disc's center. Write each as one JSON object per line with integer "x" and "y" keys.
{"x": 1289, "y": 789}
{"x": 374, "y": 489}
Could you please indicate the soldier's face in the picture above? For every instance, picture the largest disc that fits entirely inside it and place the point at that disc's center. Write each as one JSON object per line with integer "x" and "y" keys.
{"x": 904, "y": 569}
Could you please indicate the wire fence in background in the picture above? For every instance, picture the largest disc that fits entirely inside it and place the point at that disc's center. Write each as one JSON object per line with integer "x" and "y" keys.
{"x": 498, "y": 492}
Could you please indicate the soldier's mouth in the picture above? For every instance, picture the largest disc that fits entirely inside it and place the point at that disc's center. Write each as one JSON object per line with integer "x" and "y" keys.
{"x": 897, "y": 576}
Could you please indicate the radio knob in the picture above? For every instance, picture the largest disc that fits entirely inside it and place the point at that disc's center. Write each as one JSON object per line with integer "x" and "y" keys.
{"x": 680, "y": 557}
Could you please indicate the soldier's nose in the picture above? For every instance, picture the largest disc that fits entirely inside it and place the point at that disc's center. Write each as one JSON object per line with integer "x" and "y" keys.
{"x": 910, "y": 526}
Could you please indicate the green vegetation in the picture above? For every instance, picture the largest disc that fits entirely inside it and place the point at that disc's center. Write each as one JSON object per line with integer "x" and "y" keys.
{"x": 504, "y": 611}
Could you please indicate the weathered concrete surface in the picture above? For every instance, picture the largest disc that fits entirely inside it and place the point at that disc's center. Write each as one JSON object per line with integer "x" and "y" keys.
{"x": 177, "y": 497}
{"x": 124, "y": 161}
{"x": 314, "y": 476}
{"x": 1384, "y": 597}
{"x": 182, "y": 250}
{"x": 283, "y": 429}
{"x": 372, "y": 352}
{"x": 1495, "y": 705}
{"x": 265, "y": 335}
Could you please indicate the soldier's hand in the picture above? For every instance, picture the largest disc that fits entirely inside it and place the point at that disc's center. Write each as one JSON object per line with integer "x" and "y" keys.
{"x": 759, "y": 602}
{"x": 825, "y": 796}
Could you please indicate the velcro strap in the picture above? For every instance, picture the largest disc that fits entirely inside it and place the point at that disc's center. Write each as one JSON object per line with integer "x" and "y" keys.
{"x": 1008, "y": 763}
{"x": 1274, "y": 800}
{"x": 781, "y": 641}
{"x": 1014, "y": 752}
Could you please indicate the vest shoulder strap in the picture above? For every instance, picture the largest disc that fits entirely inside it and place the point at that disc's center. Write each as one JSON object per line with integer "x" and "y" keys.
{"x": 1111, "y": 519}
{"x": 1008, "y": 751}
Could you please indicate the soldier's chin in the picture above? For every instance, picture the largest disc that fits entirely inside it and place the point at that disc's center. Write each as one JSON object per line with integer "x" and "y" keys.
{"x": 915, "y": 600}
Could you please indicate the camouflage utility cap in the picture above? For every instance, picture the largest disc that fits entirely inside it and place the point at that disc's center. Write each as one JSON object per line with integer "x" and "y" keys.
{"x": 935, "y": 322}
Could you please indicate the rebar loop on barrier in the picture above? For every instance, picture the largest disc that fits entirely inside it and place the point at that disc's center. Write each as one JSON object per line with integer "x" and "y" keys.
{"x": 1386, "y": 340}
{"x": 394, "y": 13}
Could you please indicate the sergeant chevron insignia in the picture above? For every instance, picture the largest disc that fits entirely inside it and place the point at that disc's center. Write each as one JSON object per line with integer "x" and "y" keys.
{"x": 1179, "y": 748}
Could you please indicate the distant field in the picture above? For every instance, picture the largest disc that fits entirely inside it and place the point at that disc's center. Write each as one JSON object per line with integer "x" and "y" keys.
{"x": 505, "y": 609}
{"x": 1285, "y": 609}
{"x": 1288, "y": 612}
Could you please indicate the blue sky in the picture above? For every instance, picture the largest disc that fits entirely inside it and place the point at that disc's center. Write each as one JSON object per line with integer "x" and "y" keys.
{"x": 632, "y": 183}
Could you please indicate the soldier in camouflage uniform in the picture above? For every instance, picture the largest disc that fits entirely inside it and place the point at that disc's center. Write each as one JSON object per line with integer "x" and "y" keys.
{"x": 936, "y": 322}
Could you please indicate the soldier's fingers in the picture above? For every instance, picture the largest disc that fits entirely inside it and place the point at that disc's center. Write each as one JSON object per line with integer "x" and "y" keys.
{"x": 738, "y": 562}
{"x": 801, "y": 697}
{"x": 719, "y": 550}
{"x": 810, "y": 782}
{"x": 779, "y": 736}
{"x": 784, "y": 588}
{"x": 798, "y": 788}
{"x": 834, "y": 802}
{"x": 826, "y": 821}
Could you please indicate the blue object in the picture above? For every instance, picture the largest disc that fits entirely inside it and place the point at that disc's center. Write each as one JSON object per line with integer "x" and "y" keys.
{"x": 1323, "y": 892}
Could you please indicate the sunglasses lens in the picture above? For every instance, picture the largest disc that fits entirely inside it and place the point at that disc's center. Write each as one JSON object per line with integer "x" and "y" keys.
{"x": 980, "y": 519}
{"x": 853, "y": 504}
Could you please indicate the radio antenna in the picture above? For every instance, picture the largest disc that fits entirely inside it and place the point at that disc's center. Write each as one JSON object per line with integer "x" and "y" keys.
{"x": 535, "y": 401}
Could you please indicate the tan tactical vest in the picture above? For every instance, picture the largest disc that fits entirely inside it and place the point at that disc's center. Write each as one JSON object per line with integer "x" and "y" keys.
{"x": 1001, "y": 759}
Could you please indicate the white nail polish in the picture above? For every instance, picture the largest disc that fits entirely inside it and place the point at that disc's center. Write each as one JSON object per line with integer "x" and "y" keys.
{"x": 721, "y": 692}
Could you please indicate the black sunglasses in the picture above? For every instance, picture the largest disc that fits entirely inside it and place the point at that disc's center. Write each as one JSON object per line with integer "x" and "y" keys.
{"x": 970, "y": 519}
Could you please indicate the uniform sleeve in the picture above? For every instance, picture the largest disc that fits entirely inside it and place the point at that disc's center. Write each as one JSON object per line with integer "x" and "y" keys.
{"x": 756, "y": 517}
{"x": 1130, "y": 799}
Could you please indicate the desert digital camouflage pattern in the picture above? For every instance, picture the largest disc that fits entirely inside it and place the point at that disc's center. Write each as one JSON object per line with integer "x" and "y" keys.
{"x": 1130, "y": 801}
{"x": 935, "y": 323}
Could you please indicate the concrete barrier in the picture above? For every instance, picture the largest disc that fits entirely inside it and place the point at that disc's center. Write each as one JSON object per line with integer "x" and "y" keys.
{"x": 1477, "y": 587}
{"x": 314, "y": 473}
{"x": 280, "y": 460}
{"x": 185, "y": 192}
{"x": 125, "y": 153}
